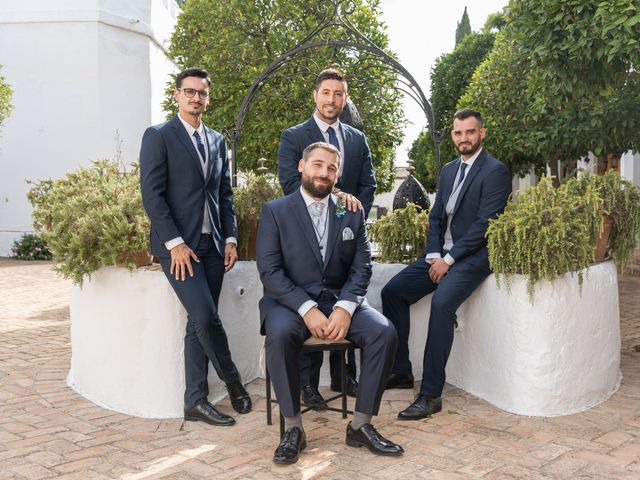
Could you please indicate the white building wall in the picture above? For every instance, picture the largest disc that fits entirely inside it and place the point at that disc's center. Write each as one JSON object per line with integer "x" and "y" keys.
{"x": 80, "y": 71}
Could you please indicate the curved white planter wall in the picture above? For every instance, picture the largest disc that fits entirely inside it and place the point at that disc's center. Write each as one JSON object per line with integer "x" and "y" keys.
{"x": 127, "y": 339}
{"x": 557, "y": 357}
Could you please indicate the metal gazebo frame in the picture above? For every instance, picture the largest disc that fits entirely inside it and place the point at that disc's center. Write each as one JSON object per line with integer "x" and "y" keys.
{"x": 336, "y": 12}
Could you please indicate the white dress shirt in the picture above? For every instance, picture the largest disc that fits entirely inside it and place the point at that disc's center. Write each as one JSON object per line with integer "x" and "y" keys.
{"x": 324, "y": 127}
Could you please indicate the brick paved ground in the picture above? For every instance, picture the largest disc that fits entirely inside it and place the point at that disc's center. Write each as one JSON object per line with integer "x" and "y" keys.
{"x": 47, "y": 430}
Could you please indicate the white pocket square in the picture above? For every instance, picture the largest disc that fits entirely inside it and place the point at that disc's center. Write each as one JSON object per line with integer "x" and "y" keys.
{"x": 347, "y": 234}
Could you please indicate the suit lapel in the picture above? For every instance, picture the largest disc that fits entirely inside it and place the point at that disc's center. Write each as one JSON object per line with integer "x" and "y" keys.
{"x": 334, "y": 231}
{"x": 347, "y": 143}
{"x": 183, "y": 138}
{"x": 313, "y": 131}
{"x": 304, "y": 220}
{"x": 473, "y": 172}
{"x": 212, "y": 154}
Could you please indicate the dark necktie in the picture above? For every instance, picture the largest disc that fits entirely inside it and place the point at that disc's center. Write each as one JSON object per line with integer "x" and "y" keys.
{"x": 463, "y": 167}
{"x": 200, "y": 146}
{"x": 333, "y": 139}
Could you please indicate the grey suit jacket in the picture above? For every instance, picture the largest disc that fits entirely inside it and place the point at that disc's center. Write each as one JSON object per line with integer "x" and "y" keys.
{"x": 357, "y": 176}
{"x": 483, "y": 196}
{"x": 291, "y": 267}
{"x": 174, "y": 187}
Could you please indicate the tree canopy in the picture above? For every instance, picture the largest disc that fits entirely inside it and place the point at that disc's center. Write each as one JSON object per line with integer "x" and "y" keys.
{"x": 235, "y": 40}
{"x": 5, "y": 99}
{"x": 562, "y": 81}
{"x": 450, "y": 77}
{"x": 463, "y": 27}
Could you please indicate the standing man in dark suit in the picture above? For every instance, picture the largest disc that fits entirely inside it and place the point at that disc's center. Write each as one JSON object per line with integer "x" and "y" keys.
{"x": 315, "y": 263}
{"x": 472, "y": 190}
{"x": 356, "y": 185}
{"x": 186, "y": 190}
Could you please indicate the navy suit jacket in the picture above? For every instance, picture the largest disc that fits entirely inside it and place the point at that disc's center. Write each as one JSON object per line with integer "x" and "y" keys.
{"x": 357, "y": 176}
{"x": 174, "y": 187}
{"x": 483, "y": 195}
{"x": 289, "y": 261}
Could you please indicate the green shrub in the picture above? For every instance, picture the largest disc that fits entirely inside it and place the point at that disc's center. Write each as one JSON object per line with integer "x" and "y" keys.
{"x": 248, "y": 200}
{"x": 401, "y": 235}
{"x": 30, "y": 247}
{"x": 91, "y": 218}
{"x": 545, "y": 232}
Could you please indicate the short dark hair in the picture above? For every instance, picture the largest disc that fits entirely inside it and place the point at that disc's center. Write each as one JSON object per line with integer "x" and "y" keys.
{"x": 465, "y": 113}
{"x": 325, "y": 146}
{"x": 192, "y": 72}
{"x": 331, "y": 73}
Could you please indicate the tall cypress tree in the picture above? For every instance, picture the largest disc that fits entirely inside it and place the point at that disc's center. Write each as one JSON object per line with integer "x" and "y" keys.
{"x": 463, "y": 28}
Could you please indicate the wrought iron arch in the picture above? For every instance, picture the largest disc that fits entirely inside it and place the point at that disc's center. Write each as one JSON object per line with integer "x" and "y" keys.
{"x": 335, "y": 12}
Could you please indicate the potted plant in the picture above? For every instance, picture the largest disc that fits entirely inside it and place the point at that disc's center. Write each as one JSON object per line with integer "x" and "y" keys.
{"x": 248, "y": 199}
{"x": 620, "y": 213}
{"x": 92, "y": 218}
{"x": 401, "y": 235}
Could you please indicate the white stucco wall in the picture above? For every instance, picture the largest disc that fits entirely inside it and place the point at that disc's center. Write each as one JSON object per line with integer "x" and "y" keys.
{"x": 559, "y": 356}
{"x": 80, "y": 71}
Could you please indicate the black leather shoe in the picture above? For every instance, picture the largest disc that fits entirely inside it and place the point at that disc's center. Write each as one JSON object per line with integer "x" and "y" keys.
{"x": 367, "y": 436}
{"x": 205, "y": 412}
{"x": 311, "y": 398}
{"x": 352, "y": 386}
{"x": 399, "y": 381}
{"x": 240, "y": 400}
{"x": 421, "y": 407}
{"x": 292, "y": 443}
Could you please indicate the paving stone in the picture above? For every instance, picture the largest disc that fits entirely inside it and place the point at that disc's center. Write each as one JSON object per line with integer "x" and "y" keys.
{"x": 47, "y": 430}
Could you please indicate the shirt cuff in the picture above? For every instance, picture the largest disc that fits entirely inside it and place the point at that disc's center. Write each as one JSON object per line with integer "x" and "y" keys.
{"x": 347, "y": 305}
{"x": 449, "y": 259}
{"x": 305, "y": 307}
{"x": 174, "y": 242}
{"x": 431, "y": 256}
{"x": 233, "y": 240}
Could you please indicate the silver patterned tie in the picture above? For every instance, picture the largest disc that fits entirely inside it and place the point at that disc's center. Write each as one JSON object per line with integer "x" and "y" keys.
{"x": 315, "y": 210}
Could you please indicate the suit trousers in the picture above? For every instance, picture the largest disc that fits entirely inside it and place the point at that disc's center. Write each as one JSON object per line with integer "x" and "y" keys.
{"x": 370, "y": 330}
{"x": 409, "y": 286}
{"x": 311, "y": 363}
{"x": 205, "y": 339}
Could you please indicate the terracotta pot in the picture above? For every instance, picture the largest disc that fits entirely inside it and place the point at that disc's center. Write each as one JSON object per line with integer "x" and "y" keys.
{"x": 251, "y": 231}
{"x": 602, "y": 242}
{"x": 142, "y": 259}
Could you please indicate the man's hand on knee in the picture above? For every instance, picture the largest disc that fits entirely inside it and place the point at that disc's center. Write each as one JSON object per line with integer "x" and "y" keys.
{"x": 316, "y": 322}
{"x": 339, "y": 322}
{"x": 438, "y": 269}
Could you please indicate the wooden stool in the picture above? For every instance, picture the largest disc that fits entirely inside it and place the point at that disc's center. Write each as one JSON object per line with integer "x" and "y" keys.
{"x": 314, "y": 344}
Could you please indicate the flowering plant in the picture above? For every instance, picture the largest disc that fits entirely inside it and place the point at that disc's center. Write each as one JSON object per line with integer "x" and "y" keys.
{"x": 30, "y": 247}
{"x": 340, "y": 209}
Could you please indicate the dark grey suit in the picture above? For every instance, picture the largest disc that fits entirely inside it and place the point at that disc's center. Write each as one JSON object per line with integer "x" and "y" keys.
{"x": 174, "y": 192}
{"x": 292, "y": 271}
{"x": 483, "y": 195}
{"x": 357, "y": 176}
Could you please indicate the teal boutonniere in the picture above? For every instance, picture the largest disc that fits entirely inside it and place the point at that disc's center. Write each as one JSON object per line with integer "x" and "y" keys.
{"x": 340, "y": 210}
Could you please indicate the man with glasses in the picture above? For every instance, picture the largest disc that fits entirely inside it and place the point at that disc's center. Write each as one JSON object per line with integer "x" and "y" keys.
{"x": 186, "y": 190}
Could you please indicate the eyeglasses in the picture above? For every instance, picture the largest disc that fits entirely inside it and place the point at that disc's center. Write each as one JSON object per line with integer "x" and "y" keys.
{"x": 191, "y": 92}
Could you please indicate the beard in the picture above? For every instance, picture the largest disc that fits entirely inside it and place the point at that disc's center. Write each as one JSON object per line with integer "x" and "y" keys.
{"x": 468, "y": 148}
{"x": 316, "y": 191}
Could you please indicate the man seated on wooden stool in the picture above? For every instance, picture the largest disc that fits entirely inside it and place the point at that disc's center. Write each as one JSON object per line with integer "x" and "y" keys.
{"x": 314, "y": 261}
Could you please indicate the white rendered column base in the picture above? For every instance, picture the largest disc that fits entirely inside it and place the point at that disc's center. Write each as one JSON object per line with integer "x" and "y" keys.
{"x": 127, "y": 339}
{"x": 559, "y": 356}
